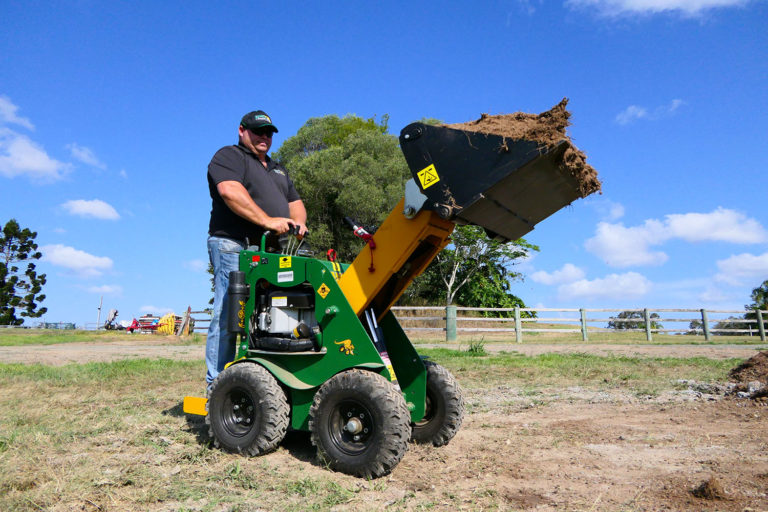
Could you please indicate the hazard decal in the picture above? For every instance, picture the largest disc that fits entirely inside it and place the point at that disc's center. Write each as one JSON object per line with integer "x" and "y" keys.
{"x": 428, "y": 176}
{"x": 323, "y": 291}
{"x": 285, "y": 262}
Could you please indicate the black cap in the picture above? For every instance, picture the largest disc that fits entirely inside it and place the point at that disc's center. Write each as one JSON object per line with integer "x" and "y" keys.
{"x": 257, "y": 119}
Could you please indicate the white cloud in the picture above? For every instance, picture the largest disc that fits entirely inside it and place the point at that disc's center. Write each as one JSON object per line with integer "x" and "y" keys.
{"x": 721, "y": 225}
{"x": 567, "y": 274}
{"x": 8, "y": 114}
{"x": 715, "y": 295}
{"x": 632, "y": 7}
{"x": 743, "y": 269}
{"x": 631, "y": 113}
{"x": 635, "y": 112}
{"x": 607, "y": 210}
{"x": 95, "y": 208}
{"x": 21, "y": 156}
{"x": 80, "y": 262}
{"x": 196, "y": 265}
{"x": 621, "y": 246}
{"x": 85, "y": 155}
{"x": 612, "y": 287}
{"x": 107, "y": 289}
{"x": 154, "y": 310}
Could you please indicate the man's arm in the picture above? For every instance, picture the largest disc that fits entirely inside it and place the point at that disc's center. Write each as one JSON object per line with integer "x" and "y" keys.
{"x": 239, "y": 201}
{"x": 298, "y": 215}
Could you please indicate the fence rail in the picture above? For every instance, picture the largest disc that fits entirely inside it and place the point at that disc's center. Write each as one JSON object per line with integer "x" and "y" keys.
{"x": 706, "y": 322}
{"x": 649, "y": 321}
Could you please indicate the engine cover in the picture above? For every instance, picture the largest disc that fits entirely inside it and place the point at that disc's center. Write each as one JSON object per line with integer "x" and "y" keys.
{"x": 285, "y": 309}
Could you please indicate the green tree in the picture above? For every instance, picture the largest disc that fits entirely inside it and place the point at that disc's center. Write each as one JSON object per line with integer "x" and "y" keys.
{"x": 344, "y": 166}
{"x": 351, "y": 166}
{"x": 473, "y": 271}
{"x": 20, "y": 286}
{"x": 639, "y": 324}
{"x": 759, "y": 302}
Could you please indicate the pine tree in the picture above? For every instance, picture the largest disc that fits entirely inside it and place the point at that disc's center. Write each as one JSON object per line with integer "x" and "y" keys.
{"x": 20, "y": 286}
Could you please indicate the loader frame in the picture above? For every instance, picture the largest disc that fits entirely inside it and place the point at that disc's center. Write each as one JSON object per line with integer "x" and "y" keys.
{"x": 360, "y": 387}
{"x": 404, "y": 247}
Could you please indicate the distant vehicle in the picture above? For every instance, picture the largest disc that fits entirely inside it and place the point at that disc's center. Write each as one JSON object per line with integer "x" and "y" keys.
{"x": 111, "y": 323}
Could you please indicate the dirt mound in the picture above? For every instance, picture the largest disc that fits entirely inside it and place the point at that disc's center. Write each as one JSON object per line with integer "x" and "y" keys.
{"x": 754, "y": 368}
{"x": 750, "y": 378}
{"x": 548, "y": 129}
{"x": 710, "y": 489}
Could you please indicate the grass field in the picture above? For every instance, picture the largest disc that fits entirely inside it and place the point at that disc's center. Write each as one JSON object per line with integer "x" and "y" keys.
{"x": 19, "y": 337}
{"x": 112, "y": 436}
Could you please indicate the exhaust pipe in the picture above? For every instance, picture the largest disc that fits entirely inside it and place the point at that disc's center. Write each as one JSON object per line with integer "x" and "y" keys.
{"x": 237, "y": 293}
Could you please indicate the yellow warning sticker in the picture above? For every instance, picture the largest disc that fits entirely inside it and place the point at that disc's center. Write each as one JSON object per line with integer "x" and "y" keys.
{"x": 323, "y": 291}
{"x": 428, "y": 176}
{"x": 285, "y": 262}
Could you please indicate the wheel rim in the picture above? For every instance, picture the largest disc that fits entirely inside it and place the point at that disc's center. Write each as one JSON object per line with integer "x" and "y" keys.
{"x": 351, "y": 427}
{"x": 238, "y": 412}
{"x": 429, "y": 410}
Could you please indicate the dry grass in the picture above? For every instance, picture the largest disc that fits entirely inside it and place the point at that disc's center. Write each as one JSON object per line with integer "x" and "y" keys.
{"x": 19, "y": 337}
{"x": 112, "y": 436}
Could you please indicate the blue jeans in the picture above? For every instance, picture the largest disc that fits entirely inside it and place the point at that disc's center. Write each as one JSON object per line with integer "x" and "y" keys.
{"x": 220, "y": 344}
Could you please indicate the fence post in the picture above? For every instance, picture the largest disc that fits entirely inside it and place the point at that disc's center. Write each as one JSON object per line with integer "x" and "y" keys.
{"x": 583, "y": 325}
{"x": 648, "y": 334}
{"x": 450, "y": 323}
{"x": 760, "y": 325}
{"x": 518, "y": 327}
{"x": 705, "y": 324}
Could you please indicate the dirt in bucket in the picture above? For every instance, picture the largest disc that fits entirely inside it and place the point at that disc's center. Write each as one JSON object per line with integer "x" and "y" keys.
{"x": 548, "y": 129}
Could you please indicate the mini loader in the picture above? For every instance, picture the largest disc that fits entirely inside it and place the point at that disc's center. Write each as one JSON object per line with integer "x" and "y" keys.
{"x": 319, "y": 349}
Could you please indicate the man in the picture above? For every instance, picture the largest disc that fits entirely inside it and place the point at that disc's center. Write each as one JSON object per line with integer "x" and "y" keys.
{"x": 251, "y": 194}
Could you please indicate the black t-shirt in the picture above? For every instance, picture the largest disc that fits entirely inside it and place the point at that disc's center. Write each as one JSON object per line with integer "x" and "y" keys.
{"x": 270, "y": 188}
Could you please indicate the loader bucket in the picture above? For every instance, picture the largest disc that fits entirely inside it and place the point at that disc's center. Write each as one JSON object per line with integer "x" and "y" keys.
{"x": 505, "y": 186}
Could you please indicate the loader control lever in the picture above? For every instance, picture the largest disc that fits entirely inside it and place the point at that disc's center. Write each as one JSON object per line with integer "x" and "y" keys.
{"x": 360, "y": 232}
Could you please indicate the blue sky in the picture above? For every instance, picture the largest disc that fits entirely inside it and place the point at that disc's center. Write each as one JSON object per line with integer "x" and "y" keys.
{"x": 111, "y": 111}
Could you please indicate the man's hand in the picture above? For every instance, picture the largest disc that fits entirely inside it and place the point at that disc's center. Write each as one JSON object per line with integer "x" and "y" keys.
{"x": 279, "y": 225}
{"x": 299, "y": 229}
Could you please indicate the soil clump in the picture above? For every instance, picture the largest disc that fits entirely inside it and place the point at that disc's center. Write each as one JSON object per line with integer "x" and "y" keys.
{"x": 750, "y": 378}
{"x": 754, "y": 368}
{"x": 710, "y": 489}
{"x": 548, "y": 129}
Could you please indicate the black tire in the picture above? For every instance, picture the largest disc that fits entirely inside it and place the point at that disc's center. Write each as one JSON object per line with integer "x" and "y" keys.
{"x": 360, "y": 424}
{"x": 247, "y": 410}
{"x": 444, "y": 409}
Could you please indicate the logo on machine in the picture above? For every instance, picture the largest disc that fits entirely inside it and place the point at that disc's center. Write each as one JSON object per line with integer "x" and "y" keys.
{"x": 285, "y": 262}
{"x": 346, "y": 346}
{"x": 428, "y": 176}
{"x": 241, "y": 314}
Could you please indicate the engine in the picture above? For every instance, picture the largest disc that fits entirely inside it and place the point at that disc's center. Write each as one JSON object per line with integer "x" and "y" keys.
{"x": 283, "y": 318}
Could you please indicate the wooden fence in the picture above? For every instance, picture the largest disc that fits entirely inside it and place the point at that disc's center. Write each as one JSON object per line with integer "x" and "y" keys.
{"x": 698, "y": 321}
{"x": 581, "y": 322}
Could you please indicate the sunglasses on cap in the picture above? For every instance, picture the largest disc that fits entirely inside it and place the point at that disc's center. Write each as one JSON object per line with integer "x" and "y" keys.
{"x": 262, "y": 132}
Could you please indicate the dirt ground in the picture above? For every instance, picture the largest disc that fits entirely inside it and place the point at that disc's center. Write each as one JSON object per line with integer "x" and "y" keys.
{"x": 548, "y": 450}
{"x": 578, "y": 450}
{"x": 167, "y": 347}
